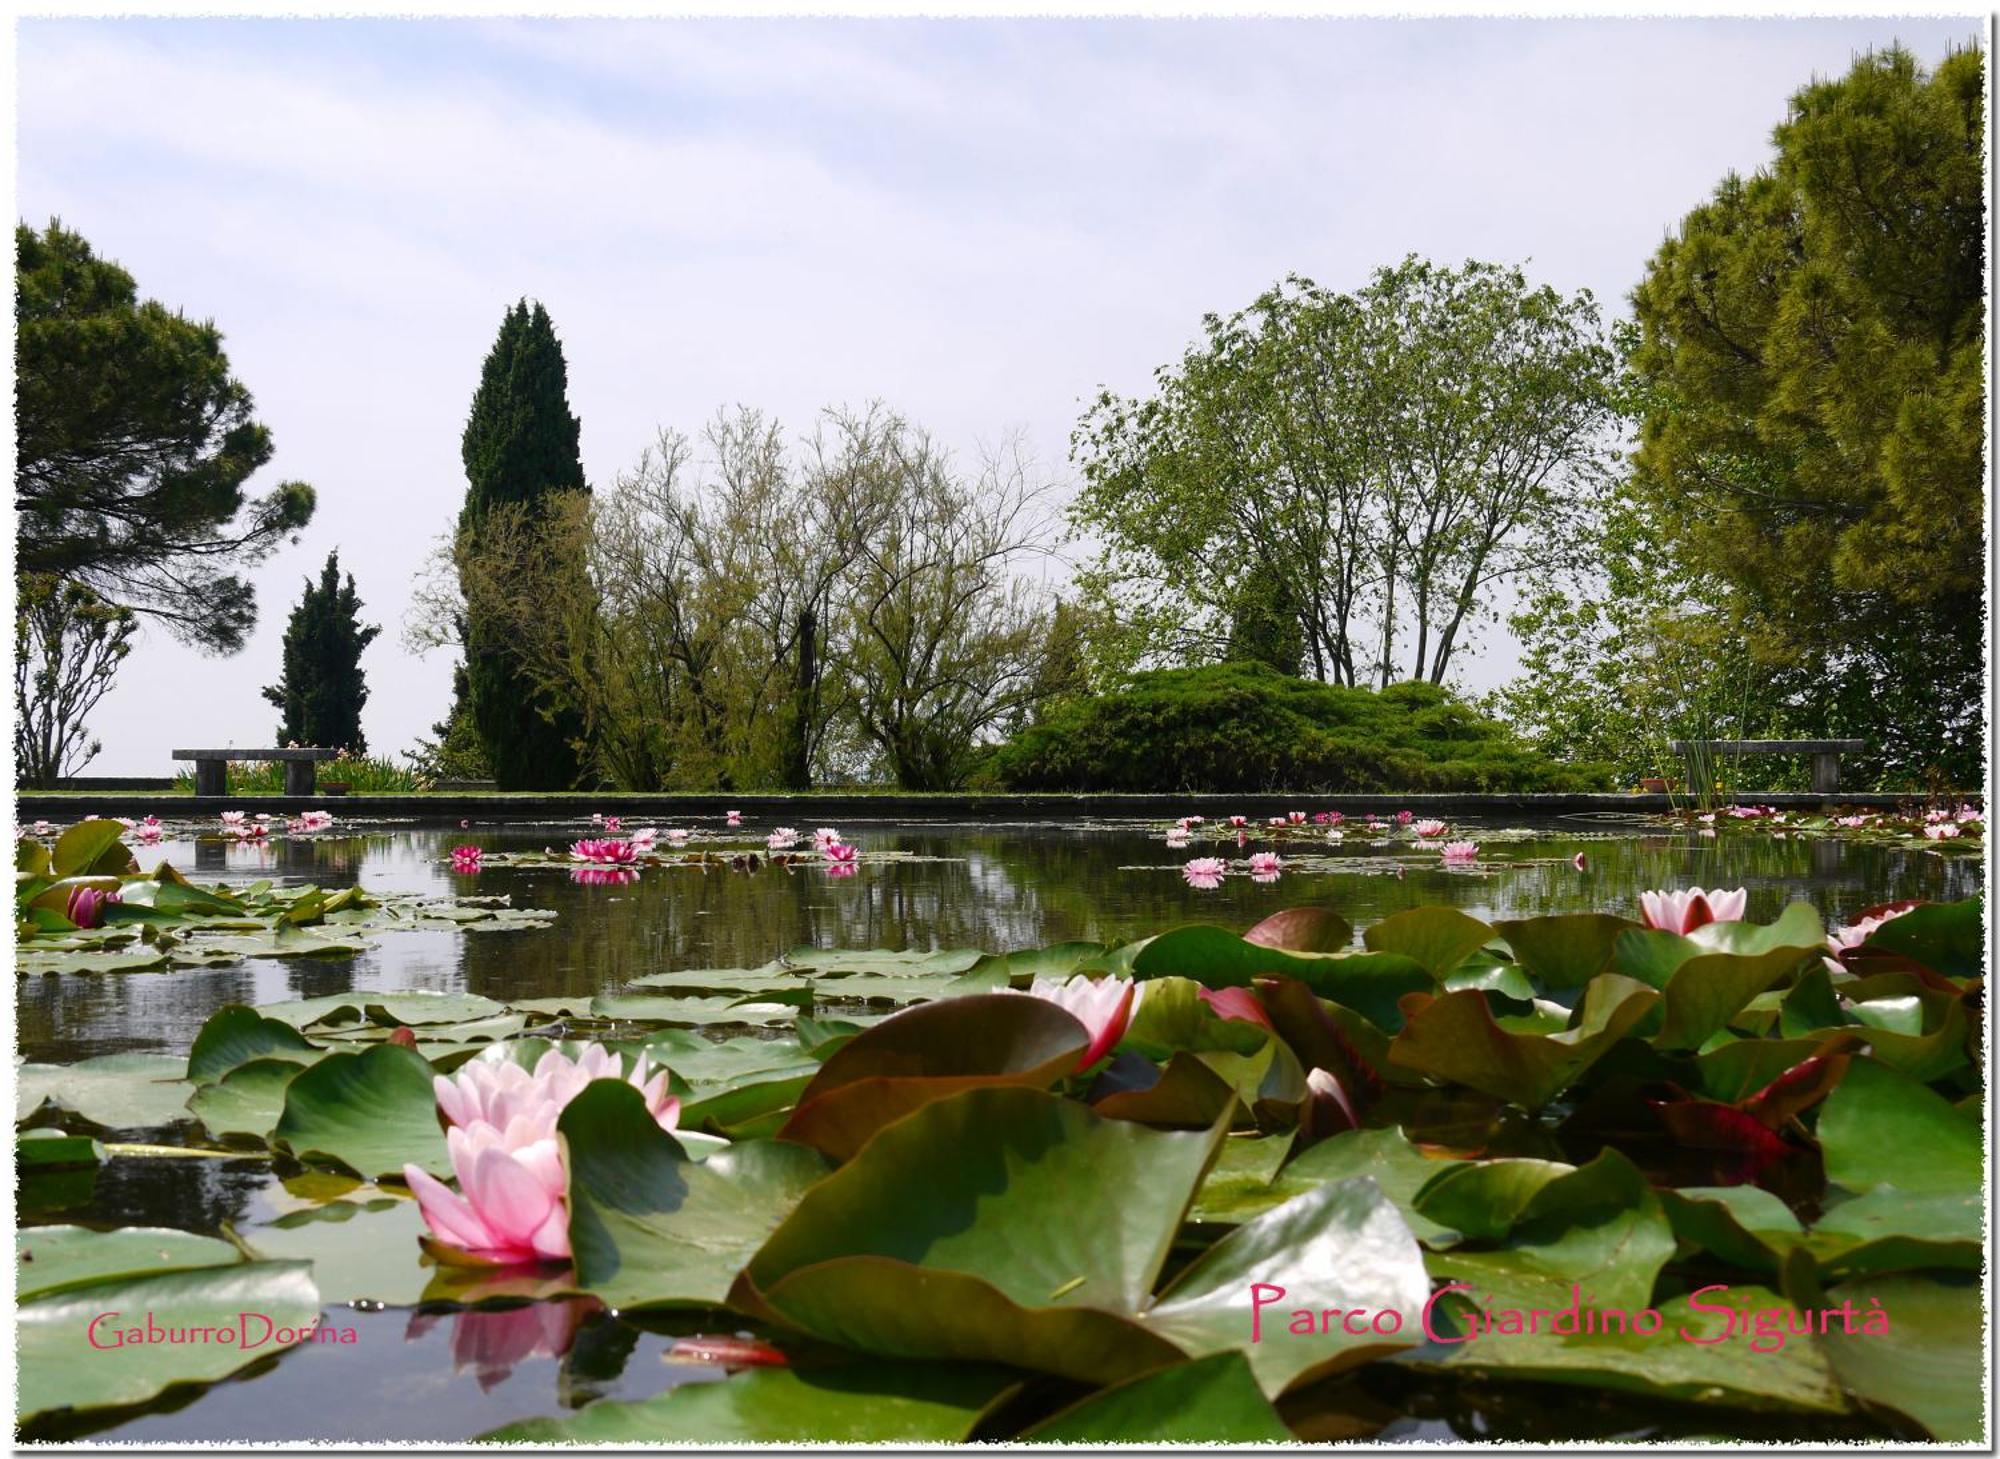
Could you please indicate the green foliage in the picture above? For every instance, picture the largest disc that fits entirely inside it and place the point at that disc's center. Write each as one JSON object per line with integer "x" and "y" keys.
{"x": 1369, "y": 465}
{"x": 1246, "y": 727}
{"x": 1812, "y": 377}
{"x": 362, "y": 774}
{"x": 457, "y": 753}
{"x": 520, "y": 448}
{"x": 323, "y": 687}
{"x": 135, "y": 443}
{"x": 68, "y": 644}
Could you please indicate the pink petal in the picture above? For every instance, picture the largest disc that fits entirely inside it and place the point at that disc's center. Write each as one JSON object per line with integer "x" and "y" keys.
{"x": 448, "y": 1214}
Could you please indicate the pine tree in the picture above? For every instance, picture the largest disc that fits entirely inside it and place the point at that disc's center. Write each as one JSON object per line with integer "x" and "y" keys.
{"x": 322, "y": 688}
{"x": 520, "y": 447}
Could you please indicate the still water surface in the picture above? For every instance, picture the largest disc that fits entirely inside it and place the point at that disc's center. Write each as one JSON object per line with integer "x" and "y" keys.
{"x": 450, "y": 1376}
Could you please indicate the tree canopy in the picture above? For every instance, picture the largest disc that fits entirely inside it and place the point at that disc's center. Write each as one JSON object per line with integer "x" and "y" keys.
{"x": 135, "y": 446}
{"x": 521, "y": 450}
{"x": 323, "y": 687}
{"x": 1812, "y": 361}
{"x": 1384, "y": 458}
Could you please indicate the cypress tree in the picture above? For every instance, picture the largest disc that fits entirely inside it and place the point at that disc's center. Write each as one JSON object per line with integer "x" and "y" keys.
{"x": 520, "y": 446}
{"x": 322, "y": 687}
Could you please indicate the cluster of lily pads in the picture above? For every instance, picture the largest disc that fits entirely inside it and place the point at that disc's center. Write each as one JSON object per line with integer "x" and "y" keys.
{"x": 896, "y": 1200}
{"x": 614, "y": 859}
{"x": 83, "y": 906}
{"x": 1954, "y": 828}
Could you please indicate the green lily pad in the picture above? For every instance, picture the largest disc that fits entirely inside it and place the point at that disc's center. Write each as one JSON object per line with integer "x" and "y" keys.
{"x": 926, "y": 1053}
{"x": 1369, "y": 983}
{"x": 1947, "y": 937}
{"x": 117, "y": 1091}
{"x": 1927, "y": 1364}
{"x": 1456, "y": 1038}
{"x": 1705, "y": 992}
{"x": 1599, "y": 1228}
{"x": 55, "y": 1258}
{"x": 1386, "y": 1156}
{"x": 92, "y": 848}
{"x": 412, "y": 1006}
{"x": 961, "y": 1230}
{"x": 691, "y": 1011}
{"x": 1303, "y": 929}
{"x": 371, "y": 1112}
{"x": 1880, "y": 1128}
{"x": 1705, "y": 1367}
{"x": 1484, "y": 1199}
{"x": 248, "y": 1100}
{"x": 1213, "y": 1400}
{"x": 871, "y": 1403}
{"x": 39, "y": 1152}
{"x": 235, "y": 1035}
{"x": 58, "y": 1369}
{"x": 648, "y": 1225}
{"x": 1341, "y": 1246}
{"x": 1741, "y": 1224}
{"x": 1437, "y": 939}
{"x": 1565, "y": 951}
{"x": 1889, "y": 1229}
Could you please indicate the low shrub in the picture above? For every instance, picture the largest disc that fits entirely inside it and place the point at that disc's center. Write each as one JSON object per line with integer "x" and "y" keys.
{"x": 1246, "y": 727}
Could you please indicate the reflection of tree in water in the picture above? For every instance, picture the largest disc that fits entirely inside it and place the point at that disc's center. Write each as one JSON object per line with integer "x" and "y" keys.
{"x": 192, "y": 1195}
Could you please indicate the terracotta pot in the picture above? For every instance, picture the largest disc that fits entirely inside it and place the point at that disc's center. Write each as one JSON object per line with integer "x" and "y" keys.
{"x": 1653, "y": 786}
{"x": 333, "y": 787}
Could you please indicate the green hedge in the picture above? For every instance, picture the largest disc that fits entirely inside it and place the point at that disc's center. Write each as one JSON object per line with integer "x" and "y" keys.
{"x": 1247, "y": 727}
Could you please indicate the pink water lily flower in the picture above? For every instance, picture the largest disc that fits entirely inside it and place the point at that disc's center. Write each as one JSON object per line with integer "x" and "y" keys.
{"x": 1578, "y": 861}
{"x": 1239, "y": 821}
{"x": 1178, "y": 836}
{"x": 86, "y": 906}
{"x": 1970, "y": 814}
{"x": 1403, "y": 818}
{"x": 603, "y": 851}
{"x": 734, "y": 818}
{"x": 839, "y": 853}
{"x": 511, "y": 1204}
{"x": 643, "y": 838}
{"x": 1266, "y": 864}
{"x": 1846, "y": 939}
{"x": 1429, "y": 829}
{"x": 1683, "y": 912}
{"x": 1850, "y": 822}
{"x": 1237, "y": 1003}
{"x": 1204, "y": 872}
{"x": 1948, "y": 831}
{"x": 782, "y": 839}
{"x": 232, "y": 818}
{"x": 824, "y": 837}
{"x": 1297, "y": 818}
{"x": 1277, "y": 823}
{"x": 465, "y": 858}
{"x": 1459, "y": 851}
{"x": 42, "y": 828}
{"x": 1104, "y": 1006}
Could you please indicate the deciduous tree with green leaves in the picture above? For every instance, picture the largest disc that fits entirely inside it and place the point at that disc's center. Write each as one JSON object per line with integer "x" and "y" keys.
{"x": 135, "y": 447}
{"x": 323, "y": 687}
{"x": 1812, "y": 345}
{"x": 1381, "y": 460}
{"x": 68, "y": 643}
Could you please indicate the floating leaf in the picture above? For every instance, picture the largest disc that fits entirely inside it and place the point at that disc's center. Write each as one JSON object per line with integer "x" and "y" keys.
{"x": 1879, "y": 1128}
{"x": 55, "y": 1258}
{"x": 248, "y": 1100}
{"x": 871, "y": 1403}
{"x": 1565, "y": 951}
{"x": 1456, "y": 1038}
{"x": 371, "y": 1112}
{"x": 361, "y": 1249}
{"x": 648, "y": 1225}
{"x": 117, "y": 1091}
{"x": 1438, "y": 939}
{"x": 929, "y": 1052}
{"x": 1342, "y": 1246}
{"x": 1303, "y": 929}
{"x": 235, "y": 1035}
{"x": 57, "y": 1368}
{"x": 1928, "y": 1364}
{"x": 1213, "y": 1400}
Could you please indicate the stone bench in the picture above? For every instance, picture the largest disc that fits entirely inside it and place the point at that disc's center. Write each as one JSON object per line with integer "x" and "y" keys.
{"x": 211, "y": 768}
{"x": 1826, "y": 755}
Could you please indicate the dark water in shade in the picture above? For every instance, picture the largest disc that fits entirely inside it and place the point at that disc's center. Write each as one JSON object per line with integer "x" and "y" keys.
{"x": 998, "y": 887}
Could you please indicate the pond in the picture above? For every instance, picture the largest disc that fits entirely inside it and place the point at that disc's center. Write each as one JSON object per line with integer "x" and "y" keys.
{"x": 440, "y": 1376}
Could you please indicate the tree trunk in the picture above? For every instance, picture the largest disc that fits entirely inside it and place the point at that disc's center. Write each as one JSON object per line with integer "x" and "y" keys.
{"x": 798, "y": 748}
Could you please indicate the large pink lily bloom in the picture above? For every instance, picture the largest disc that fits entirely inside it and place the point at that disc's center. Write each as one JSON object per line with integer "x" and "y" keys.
{"x": 1104, "y": 1006}
{"x": 1683, "y": 912}
{"x": 512, "y": 1204}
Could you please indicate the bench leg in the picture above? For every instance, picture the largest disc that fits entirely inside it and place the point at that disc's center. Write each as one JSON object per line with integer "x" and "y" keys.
{"x": 1826, "y": 772}
{"x": 211, "y": 777}
{"x": 300, "y": 778}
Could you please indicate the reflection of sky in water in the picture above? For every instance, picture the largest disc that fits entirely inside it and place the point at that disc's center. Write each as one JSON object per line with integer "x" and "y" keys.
{"x": 999, "y": 887}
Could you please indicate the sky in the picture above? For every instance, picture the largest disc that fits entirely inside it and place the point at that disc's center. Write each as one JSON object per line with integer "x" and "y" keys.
{"x": 978, "y": 223}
